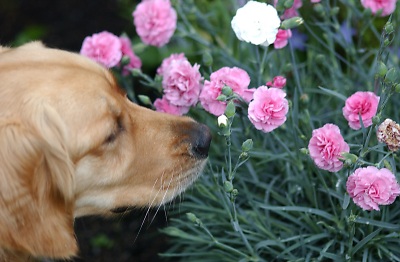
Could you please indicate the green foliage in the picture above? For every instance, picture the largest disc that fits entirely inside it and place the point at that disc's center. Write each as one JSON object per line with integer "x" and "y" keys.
{"x": 261, "y": 198}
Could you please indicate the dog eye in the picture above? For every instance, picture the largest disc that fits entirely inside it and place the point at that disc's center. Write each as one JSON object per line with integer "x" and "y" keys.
{"x": 117, "y": 130}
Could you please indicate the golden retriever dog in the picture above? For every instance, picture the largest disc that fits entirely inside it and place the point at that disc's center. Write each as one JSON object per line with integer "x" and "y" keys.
{"x": 72, "y": 144}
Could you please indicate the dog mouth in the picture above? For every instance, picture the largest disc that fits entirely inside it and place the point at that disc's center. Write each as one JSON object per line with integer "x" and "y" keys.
{"x": 121, "y": 210}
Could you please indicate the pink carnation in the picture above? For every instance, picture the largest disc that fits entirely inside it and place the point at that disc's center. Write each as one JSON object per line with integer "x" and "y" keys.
{"x": 282, "y": 38}
{"x": 326, "y": 146}
{"x": 182, "y": 83}
{"x": 155, "y": 21}
{"x": 168, "y": 61}
{"x": 370, "y": 187}
{"x": 268, "y": 109}
{"x": 235, "y": 78}
{"x": 387, "y": 6}
{"x": 277, "y": 82}
{"x": 126, "y": 48}
{"x": 364, "y": 104}
{"x": 163, "y": 105}
{"x": 104, "y": 48}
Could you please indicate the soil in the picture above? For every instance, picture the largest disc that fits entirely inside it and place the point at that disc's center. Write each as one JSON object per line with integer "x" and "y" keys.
{"x": 64, "y": 24}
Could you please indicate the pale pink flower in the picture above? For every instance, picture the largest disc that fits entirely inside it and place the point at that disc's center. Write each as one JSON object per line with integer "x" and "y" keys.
{"x": 267, "y": 111}
{"x": 235, "y": 78}
{"x": 282, "y": 38}
{"x": 326, "y": 146}
{"x": 103, "y": 47}
{"x": 126, "y": 49}
{"x": 387, "y": 6}
{"x": 277, "y": 82}
{"x": 364, "y": 104}
{"x": 163, "y": 105}
{"x": 315, "y": 1}
{"x": 155, "y": 21}
{"x": 168, "y": 61}
{"x": 370, "y": 187}
{"x": 182, "y": 83}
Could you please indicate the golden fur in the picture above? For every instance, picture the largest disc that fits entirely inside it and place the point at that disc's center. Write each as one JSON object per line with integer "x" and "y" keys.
{"x": 72, "y": 144}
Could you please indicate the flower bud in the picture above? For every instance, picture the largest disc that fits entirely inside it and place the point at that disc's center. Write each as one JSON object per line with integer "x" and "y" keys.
{"x": 145, "y": 100}
{"x": 392, "y": 76}
{"x": 207, "y": 59}
{"x": 125, "y": 60}
{"x": 320, "y": 59}
{"x": 376, "y": 119}
{"x": 304, "y": 151}
{"x": 292, "y": 22}
{"x": 397, "y": 88}
{"x": 226, "y": 90}
{"x": 222, "y": 98}
{"x": 389, "y": 28}
{"x": 334, "y": 11}
{"x": 349, "y": 158}
{"x": 222, "y": 121}
{"x": 381, "y": 69}
{"x": 136, "y": 72}
{"x": 288, "y": 4}
{"x": 230, "y": 109}
{"x": 192, "y": 217}
{"x": 228, "y": 187}
{"x": 319, "y": 9}
{"x": 304, "y": 98}
{"x": 247, "y": 145}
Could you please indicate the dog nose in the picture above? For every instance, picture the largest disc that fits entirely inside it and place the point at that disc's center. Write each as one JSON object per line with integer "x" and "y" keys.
{"x": 200, "y": 140}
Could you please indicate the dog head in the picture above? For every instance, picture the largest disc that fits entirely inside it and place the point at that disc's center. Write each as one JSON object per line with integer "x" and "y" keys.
{"x": 72, "y": 144}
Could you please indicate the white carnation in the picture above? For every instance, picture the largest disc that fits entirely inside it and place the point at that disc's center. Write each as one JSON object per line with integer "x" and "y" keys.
{"x": 256, "y": 23}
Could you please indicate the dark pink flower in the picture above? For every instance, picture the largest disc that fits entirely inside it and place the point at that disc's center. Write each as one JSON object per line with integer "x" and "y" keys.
{"x": 370, "y": 187}
{"x": 163, "y": 105}
{"x": 126, "y": 48}
{"x": 282, "y": 38}
{"x": 155, "y": 21}
{"x": 364, "y": 104}
{"x": 104, "y": 48}
{"x": 326, "y": 146}
{"x": 277, "y": 82}
{"x": 267, "y": 111}
{"x": 235, "y": 78}
{"x": 387, "y": 6}
{"x": 182, "y": 83}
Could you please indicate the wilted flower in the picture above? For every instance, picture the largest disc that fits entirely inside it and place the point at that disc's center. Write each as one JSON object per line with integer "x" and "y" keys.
{"x": 155, "y": 21}
{"x": 326, "y": 146}
{"x": 292, "y": 11}
{"x": 268, "y": 109}
{"x": 103, "y": 47}
{"x": 256, "y": 23}
{"x": 282, "y": 38}
{"x": 364, "y": 104}
{"x": 370, "y": 187}
{"x": 389, "y": 133}
{"x": 277, "y": 82}
{"x": 387, "y": 6}
{"x": 163, "y": 105}
{"x": 235, "y": 78}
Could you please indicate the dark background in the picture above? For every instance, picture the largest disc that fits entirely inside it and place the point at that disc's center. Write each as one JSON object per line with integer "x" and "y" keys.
{"x": 64, "y": 25}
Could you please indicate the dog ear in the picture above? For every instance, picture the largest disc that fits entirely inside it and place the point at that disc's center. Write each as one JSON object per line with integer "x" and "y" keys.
{"x": 36, "y": 185}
